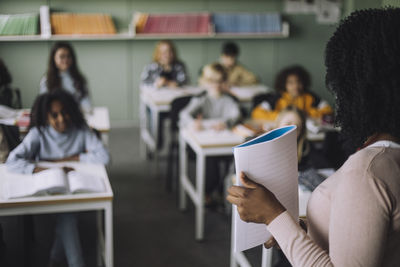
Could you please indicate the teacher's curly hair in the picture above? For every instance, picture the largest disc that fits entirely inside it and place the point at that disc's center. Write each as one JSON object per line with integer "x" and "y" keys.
{"x": 363, "y": 73}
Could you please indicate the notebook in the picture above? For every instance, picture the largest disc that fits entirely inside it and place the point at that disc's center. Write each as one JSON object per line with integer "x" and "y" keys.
{"x": 270, "y": 160}
{"x": 51, "y": 181}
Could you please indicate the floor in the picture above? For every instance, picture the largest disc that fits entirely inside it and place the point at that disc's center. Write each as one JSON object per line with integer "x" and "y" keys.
{"x": 149, "y": 230}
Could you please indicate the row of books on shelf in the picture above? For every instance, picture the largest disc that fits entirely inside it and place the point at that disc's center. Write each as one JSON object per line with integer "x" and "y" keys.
{"x": 205, "y": 23}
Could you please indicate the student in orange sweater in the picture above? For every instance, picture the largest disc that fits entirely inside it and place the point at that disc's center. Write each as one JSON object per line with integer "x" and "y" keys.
{"x": 292, "y": 85}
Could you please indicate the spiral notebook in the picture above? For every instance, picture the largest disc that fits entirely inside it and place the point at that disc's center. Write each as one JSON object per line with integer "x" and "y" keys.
{"x": 270, "y": 160}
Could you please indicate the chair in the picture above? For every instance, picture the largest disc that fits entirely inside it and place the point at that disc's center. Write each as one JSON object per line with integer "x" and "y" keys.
{"x": 173, "y": 152}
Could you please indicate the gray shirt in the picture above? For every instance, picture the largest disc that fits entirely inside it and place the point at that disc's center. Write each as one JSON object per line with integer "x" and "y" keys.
{"x": 67, "y": 83}
{"x": 224, "y": 108}
{"x": 51, "y": 144}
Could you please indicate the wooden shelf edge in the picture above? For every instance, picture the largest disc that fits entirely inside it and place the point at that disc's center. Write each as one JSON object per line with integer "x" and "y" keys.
{"x": 127, "y": 36}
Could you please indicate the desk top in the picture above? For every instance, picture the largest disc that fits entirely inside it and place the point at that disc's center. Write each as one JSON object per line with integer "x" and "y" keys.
{"x": 95, "y": 169}
{"x": 210, "y": 138}
{"x": 99, "y": 119}
{"x": 165, "y": 95}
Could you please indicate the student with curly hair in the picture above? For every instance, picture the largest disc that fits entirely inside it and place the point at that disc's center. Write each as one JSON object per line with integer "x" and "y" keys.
{"x": 293, "y": 89}
{"x": 58, "y": 132}
{"x": 353, "y": 216}
{"x": 63, "y": 73}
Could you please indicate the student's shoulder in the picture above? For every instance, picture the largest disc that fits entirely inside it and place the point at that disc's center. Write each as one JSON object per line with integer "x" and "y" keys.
{"x": 152, "y": 66}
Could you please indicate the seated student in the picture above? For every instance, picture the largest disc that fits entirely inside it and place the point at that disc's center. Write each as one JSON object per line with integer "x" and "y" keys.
{"x": 214, "y": 104}
{"x": 166, "y": 69}
{"x": 63, "y": 72}
{"x": 237, "y": 74}
{"x": 10, "y": 98}
{"x": 58, "y": 132}
{"x": 292, "y": 85}
{"x": 309, "y": 159}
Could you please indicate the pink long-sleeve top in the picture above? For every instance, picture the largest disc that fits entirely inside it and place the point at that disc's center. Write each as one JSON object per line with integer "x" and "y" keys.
{"x": 353, "y": 216}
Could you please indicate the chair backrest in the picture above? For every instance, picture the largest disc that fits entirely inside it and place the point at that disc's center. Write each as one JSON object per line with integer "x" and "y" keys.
{"x": 271, "y": 98}
{"x": 176, "y": 106}
{"x": 11, "y": 97}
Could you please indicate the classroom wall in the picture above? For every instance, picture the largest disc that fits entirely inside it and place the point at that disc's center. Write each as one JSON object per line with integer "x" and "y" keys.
{"x": 113, "y": 68}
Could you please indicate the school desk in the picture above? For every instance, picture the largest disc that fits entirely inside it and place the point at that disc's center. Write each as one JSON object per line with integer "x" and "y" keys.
{"x": 69, "y": 203}
{"x": 206, "y": 143}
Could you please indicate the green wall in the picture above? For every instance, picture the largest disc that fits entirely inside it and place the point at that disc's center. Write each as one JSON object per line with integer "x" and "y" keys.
{"x": 113, "y": 68}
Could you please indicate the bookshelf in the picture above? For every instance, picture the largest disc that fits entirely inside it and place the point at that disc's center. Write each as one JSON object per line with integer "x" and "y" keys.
{"x": 126, "y": 36}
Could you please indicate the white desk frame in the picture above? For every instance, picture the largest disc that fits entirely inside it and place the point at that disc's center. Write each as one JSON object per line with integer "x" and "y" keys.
{"x": 71, "y": 203}
{"x": 196, "y": 193}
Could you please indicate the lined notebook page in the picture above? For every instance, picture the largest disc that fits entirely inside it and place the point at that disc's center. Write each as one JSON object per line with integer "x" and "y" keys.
{"x": 270, "y": 160}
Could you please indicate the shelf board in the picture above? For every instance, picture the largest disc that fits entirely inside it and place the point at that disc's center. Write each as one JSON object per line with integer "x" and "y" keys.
{"x": 127, "y": 36}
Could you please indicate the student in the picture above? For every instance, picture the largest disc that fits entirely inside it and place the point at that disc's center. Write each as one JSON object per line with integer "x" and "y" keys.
{"x": 9, "y": 98}
{"x": 63, "y": 72}
{"x": 353, "y": 216}
{"x": 214, "y": 104}
{"x": 237, "y": 74}
{"x": 58, "y": 132}
{"x": 166, "y": 69}
{"x": 292, "y": 85}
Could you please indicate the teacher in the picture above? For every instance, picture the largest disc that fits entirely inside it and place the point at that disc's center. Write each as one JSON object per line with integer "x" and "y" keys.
{"x": 354, "y": 215}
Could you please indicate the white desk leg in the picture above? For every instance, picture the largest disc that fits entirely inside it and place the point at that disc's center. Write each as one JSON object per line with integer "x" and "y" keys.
{"x": 266, "y": 257}
{"x": 155, "y": 121}
{"x": 183, "y": 161}
{"x": 109, "y": 249}
{"x": 200, "y": 176}
{"x": 143, "y": 125}
{"x": 100, "y": 238}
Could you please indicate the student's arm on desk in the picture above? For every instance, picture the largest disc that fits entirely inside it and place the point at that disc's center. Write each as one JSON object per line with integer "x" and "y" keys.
{"x": 262, "y": 114}
{"x": 95, "y": 150}
{"x": 20, "y": 159}
{"x": 191, "y": 111}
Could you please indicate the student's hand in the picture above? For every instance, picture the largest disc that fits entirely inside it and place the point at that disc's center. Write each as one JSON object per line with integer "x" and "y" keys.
{"x": 198, "y": 123}
{"x": 39, "y": 169}
{"x": 254, "y": 202}
{"x": 172, "y": 84}
{"x": 219, "y": 126}
{"x": 160, "y": 82}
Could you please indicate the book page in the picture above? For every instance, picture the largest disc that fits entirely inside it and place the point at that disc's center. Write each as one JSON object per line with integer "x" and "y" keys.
{"x": 18, "y": 185}
{"x": 272, "y": 163}
{"x": 81, "y": 182}
{"x": 52, "y": 181}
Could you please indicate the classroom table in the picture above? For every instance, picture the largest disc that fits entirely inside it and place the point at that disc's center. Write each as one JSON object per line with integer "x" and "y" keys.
{"x": 158, "y": 100}
{"x": 204, "y": 144}
{"x": 98, "y": 119}
{"x": 69, "y": 203}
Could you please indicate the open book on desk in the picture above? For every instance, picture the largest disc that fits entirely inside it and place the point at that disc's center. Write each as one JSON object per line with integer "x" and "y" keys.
{"x": 51, "y": 181}
{"x": 270, "y": 160}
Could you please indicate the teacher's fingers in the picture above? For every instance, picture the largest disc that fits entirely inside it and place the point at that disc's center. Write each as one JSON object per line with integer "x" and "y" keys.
{"x": 247, "y": 182}
{"x": 270, "y": 243}
{"x": 234, "y": 200}
{"x": 237, "y": 191}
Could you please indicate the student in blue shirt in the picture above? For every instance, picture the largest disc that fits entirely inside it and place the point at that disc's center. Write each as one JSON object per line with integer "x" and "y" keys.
{"x": 58, "y": 132}
{"x": 63, "y": 72}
